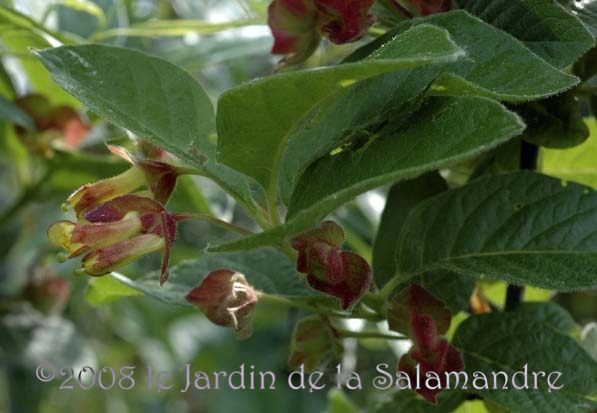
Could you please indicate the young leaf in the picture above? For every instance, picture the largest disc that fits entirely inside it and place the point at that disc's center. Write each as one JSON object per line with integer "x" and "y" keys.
{"x": 256, "y": 120}
{"x": 524, "y": 228}
{"x": 507, "y": 342}
{"x": 543, "y": 25}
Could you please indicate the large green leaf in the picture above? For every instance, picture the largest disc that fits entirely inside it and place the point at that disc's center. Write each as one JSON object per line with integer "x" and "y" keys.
{"x": 499, "y": 66}
{"x": 576, "y": 164}
{"x": 524, "y": 228}
{"x": 443, "y": 132}
{"x": 149, "y": 96}
{"x": 358, "y": 113}
{"x": 543, "y": 25}
{"x": 256, "y": 120}
{"x": 267, "y": 270}
{"x": 506, "y": 342}
{"x": 466, "y": 126}
{"x": 585, "y": 10}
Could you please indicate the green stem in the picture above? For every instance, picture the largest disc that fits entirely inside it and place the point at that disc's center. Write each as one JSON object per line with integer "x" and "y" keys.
{"x": 179, "y": 216}
{"x": 390, "y": 286}
{"x": 276, "y": 299}
{"x": 370, "y": 334}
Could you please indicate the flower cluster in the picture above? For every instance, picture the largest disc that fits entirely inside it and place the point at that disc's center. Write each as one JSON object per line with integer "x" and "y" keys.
{"x": 226, "y": 299}
{"x": 425, "y": 320}
{"x": 115, "y": 226}
{"x": 298, "y": 25}
{"x": 342, "y": 274}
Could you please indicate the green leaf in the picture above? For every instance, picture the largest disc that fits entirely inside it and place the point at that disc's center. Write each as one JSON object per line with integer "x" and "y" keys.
{"x": 498, "y": 65}
{"x": 151, "y": 97}
{"x": 256, "y": 120}
{"x": 452, "y": 289}
{"x": 338, "y": 402}
{"x": 576, "y": 164}
{"x": 472, "y": 125}
{"x": 466, "y": 126}
{"x": 267, "y": 270}
{"x": 508, "y": 341}
{"x": 556, "y": 122}
{"x": 543, "y": 25}
{"x": 402, "y": 198}
{"x": 107, "y": 289}
{"x": 148, "y": 96}
{"x": 586, "y": 11}
{"x": 523, "y": 228}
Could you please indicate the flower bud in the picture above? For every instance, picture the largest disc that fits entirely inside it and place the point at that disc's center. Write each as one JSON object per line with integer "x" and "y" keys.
{"x": 79, "y": 238}
{"x": 226, "y": 299}
{"x": 342, "y": 274}
{"x": 159, "y": 177}
{"x": 107, "y": 259}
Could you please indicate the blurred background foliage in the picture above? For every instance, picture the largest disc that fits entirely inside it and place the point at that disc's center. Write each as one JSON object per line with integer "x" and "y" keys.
{"x": 50, "y": 315}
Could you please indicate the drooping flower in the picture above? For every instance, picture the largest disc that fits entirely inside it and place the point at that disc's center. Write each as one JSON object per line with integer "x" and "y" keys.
{"x": 342, "y": 274}
{"x": 117, "y": 232}
{"x": 159, "y": 177}
{"x": 424, "y": 318}
{"x": 294, "y": 26}
{"x": 298, "y": 25}
{"x": 226, "y": 299}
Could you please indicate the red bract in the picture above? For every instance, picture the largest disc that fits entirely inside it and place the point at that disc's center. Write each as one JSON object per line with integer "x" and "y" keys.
{"x": 424, "y": 319}
{"x": 294, "y": 26}
{"x": 345, "y": 20}
{"x": 440, "y": 359}
{"x": 342, "y": 274}
{"x": 297, "y": 25}
{"x": 159, "y": 177}
{"x": 117, "y": 232}
{"x": 226, "y": 299}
